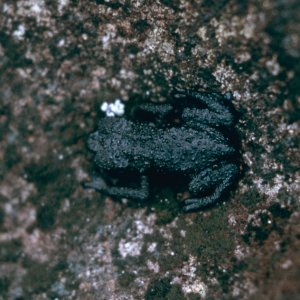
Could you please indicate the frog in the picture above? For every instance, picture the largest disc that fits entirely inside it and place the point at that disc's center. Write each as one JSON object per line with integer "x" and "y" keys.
{"x": 190, "y": 134}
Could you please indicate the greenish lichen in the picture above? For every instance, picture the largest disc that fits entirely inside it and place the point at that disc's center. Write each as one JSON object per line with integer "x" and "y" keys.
{"x": 250, "y": 198}
{"x": 161, "y": 289}
{"x": 210, "y": 238}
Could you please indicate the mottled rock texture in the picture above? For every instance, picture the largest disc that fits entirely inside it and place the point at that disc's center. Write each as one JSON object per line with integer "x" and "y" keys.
{"x": 59, "y": 61}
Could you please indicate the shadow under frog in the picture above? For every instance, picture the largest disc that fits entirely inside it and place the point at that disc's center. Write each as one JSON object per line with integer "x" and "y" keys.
{"x": 192, "y": 135}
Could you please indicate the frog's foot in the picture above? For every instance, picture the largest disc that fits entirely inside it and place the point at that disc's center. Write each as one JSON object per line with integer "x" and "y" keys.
{"x": 140, "y": 193}
{"x": 218, "y": 180}
{"x": 218, "y": 111}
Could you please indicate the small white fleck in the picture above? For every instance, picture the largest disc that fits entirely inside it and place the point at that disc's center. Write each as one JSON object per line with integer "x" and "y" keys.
{"x": 288, "y": 263}
{"x": 19, "y": 33}
{"x": 152, "y": 247}
{"x": 273, "y": 66}
{"x": 105, "y": 40}
{"x": 61, "y": 43}
{"x": 5, "y": 8}
{"x": 183, "y": 233}
{"x": 232, "y": 220}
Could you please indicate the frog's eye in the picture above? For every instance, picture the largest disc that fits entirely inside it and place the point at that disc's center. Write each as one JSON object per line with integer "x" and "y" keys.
{"x": 94, "y": 141}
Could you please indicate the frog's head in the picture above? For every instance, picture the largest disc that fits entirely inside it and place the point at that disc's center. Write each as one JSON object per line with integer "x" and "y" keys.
{"x": 111, "y": 126}
{"x": 110, "y": 143}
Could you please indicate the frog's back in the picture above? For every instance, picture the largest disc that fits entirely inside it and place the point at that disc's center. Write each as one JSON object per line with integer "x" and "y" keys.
{"x": 184, "y": 149}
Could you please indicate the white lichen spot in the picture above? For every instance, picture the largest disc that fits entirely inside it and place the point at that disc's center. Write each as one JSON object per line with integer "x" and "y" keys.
{"x": 273, "y": 66}
{"x": 132, "y": 248}
{"x": 190, "y": 282}
{"x": 153, "y": 266}
{"x": 167, "y": 48}
{"x": 247, "y": 156}
{"x": 247, "y": 288}
{"x": 126, "y": 74}
{"x": 5, "y": 8}
{"x": 224, "y": 31}
{"x": 33, "y": 8}
{"x": 183, "y": 233}
{"x": 190, "y": 269}
{"x": 231, "y": 220}
{"x": 196, "y": 287}
{"x": 105, "y": 39}
{"x": 224, "y": 75}
{"x": 152, "y": 247}
{"x": 250, "y": 25}
{"x": 202, "y": 33}
{"x": 36, "y": 8}
{"x": 242, "y": 57}
{"x": 61, "y": 4}
{"x": 20, "y": 32}
{"x": 240, "y": 253}
{"x": 267, "y": 189}
{"x": 109, "y": 33}
{"x": 113, "y": 109}
{"x": 157, "y": 42}
{"x": 134, "y": 241}
{"x": 143, "y": 228}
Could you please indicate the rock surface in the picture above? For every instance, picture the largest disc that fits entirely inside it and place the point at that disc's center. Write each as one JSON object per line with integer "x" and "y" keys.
{"x": 59, "y": 61}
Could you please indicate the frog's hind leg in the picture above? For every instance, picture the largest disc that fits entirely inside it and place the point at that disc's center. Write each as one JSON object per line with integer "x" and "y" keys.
{"x": 140, "y": 193}
{"x": 219, "y": 111}
{"x": 218, "y": 180}
{"x": 152, "y": 112}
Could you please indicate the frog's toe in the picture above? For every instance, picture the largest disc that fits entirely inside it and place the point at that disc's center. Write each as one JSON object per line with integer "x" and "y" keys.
{"x": 196, "y": 203}
{"x": 179, "y": 93}
{"x": 98, "y": 184}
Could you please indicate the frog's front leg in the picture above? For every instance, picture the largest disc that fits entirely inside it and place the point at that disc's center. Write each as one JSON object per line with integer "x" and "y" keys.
{"x": 218, "y": 111}
{"x": 216, "y": 181}
{"x": 141, "y": 193}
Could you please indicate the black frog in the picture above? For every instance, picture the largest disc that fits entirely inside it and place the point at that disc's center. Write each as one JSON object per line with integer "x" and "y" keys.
{"x": 190, "y": 135}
